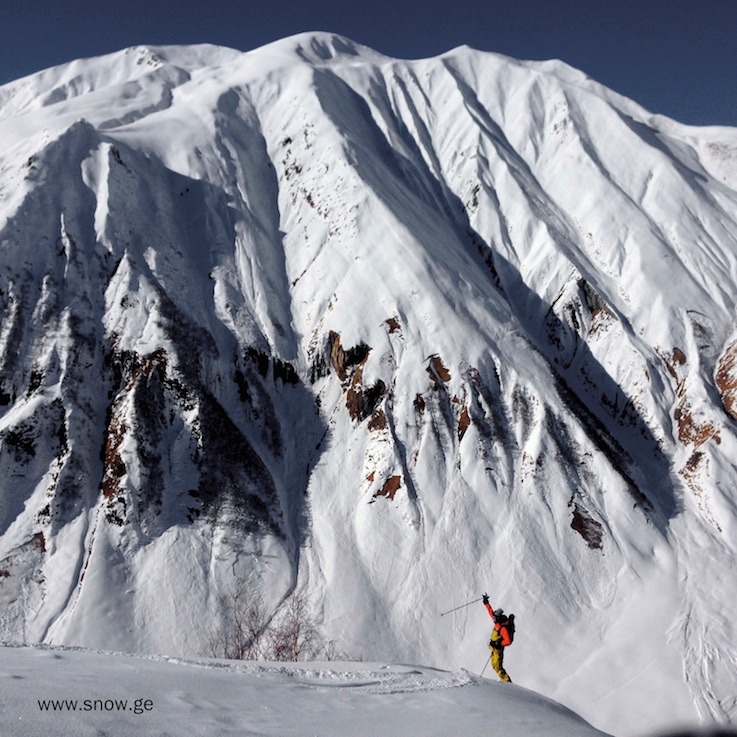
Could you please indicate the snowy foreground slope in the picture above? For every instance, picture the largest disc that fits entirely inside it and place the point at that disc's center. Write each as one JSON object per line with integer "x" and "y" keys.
{"x": 74, "y": 694}
{"x": 385, "y": 334}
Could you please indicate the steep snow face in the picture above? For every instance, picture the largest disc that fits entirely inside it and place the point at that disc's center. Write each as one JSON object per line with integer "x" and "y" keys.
{"x": 389, "y": 333}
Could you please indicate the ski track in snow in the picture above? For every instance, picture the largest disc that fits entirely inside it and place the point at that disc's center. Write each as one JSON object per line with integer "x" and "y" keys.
{"x": 385, "y": 679}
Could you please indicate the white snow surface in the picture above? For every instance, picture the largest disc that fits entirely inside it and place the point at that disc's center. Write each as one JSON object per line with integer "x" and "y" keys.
{"x": 387, "y": 333}
{"x": 73, "y": 693}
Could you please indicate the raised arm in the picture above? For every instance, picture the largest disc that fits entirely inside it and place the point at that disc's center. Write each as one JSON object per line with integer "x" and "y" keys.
{"x": 488, "y": 606}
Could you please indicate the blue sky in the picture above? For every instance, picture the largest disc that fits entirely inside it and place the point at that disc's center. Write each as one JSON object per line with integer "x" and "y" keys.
{"x": 676, "y": 57}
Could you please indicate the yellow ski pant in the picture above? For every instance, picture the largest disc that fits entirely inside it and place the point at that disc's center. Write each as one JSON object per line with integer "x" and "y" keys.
{"x": 497, "y": 663}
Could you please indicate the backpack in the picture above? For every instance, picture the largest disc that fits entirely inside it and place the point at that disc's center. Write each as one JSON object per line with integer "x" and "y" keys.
{"x": 510, "y": 628}
{"x": 508, "y": 623}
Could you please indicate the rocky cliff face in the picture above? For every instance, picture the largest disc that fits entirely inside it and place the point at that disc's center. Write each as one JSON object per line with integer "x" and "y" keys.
{"x": 390, "y": 333}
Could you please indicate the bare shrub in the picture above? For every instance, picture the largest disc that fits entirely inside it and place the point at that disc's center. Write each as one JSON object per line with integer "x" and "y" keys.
{"x": 239, "y": 638}
{"x": 247, "y": 634}
{"x": 294, "y": 635}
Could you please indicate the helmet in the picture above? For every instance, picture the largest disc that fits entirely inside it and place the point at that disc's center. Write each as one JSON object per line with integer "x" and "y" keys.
{"x": 499, "y": 615}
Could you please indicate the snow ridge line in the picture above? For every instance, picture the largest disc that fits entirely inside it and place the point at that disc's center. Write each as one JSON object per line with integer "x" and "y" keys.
{"x": 379, "y": 680}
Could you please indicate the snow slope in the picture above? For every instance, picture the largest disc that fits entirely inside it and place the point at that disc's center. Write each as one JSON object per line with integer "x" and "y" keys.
{"x": 387, "y": 333}
{"x": 71, "y": 692}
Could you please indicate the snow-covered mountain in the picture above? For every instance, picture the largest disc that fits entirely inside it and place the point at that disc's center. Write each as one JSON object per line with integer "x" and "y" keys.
{"x": 386, "y": 333}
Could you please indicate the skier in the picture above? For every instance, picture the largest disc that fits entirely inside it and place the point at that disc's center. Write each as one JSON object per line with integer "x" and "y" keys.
{"x": 501, "y": 637}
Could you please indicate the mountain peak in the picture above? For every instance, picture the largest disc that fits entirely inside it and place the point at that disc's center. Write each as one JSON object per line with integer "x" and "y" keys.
{"x": 321, "y": 47}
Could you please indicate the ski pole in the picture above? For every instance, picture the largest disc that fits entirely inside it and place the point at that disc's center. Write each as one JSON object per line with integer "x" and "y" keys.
{"x": 442, "y": 614}
{"x": 485, "y": 664}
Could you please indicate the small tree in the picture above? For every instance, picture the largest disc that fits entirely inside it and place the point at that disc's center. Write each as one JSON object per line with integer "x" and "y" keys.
{"x": 245, "y": 635}
{"x": 240, "y": 637}
{"x": 294, "y": 636}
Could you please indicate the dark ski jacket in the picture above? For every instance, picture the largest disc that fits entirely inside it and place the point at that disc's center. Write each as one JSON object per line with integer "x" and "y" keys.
{"x": 500, "y": 634}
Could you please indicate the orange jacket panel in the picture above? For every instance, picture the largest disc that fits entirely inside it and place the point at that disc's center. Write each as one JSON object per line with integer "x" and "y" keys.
{"x": 504, "y": 637}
